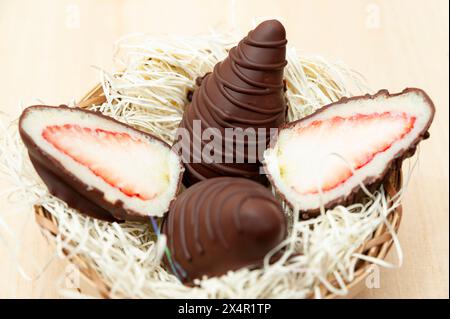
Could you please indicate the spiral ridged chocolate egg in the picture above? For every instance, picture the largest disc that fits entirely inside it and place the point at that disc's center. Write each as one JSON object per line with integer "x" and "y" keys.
{"x": 245, "y": 91}
{"x": 222, "y": 224}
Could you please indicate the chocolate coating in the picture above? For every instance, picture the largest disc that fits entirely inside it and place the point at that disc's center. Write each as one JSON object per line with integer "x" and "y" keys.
{"x": 68, "y": 187}
{"x": 372, "y": 183}
{"x": 57, "y": 187}
{"x": 223, "y": 224}
{"x": 246, "y": 90}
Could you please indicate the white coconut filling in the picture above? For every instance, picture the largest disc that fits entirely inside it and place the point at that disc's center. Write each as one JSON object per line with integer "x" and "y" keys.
{"x": 298, "y": 161}
{"x": 153, "y": 168}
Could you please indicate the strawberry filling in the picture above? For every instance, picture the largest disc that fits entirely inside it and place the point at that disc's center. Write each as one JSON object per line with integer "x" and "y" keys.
{"x": 326, "y": 152}
{"x": 108, "y": 155}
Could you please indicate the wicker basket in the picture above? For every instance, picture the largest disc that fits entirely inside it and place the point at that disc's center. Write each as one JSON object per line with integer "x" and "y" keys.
{"x": 378, "y": 246}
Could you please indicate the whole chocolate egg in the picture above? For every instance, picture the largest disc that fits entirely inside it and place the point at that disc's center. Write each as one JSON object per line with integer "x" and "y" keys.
{"x": 222, "y": 224}
{"x": 244, "y": 93}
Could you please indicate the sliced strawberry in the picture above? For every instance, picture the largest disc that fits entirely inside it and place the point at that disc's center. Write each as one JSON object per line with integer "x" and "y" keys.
{"x": 108, "y": 155}
{"x": 357, "y": 139}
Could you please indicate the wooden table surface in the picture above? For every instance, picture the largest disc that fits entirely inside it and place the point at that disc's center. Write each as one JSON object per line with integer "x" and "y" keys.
{"x": 48, "y": 48}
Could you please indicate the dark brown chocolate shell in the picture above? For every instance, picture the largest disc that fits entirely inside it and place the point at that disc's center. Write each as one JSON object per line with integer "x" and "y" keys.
{"x": 245, "y": 91}
{"x": 222, "y": 224}
{"x": 371, "y": 182}
{"x": 68, "y": 187}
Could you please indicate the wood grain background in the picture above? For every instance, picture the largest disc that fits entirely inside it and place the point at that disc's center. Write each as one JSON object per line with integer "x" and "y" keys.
{"x": 47, "y": 49}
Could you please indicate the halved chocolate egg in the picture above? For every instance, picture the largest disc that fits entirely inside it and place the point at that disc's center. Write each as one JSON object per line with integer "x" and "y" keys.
{"x": 322, "y": 159}
{"x": 102, "y": 167}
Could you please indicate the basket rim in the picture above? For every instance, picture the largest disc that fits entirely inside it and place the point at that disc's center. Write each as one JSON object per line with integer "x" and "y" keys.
{"x": 378, "y": 246}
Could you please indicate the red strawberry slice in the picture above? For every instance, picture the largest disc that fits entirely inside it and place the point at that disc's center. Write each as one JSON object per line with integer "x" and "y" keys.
{"x": 108, "y": 155}
{"x": 336, "y": 145}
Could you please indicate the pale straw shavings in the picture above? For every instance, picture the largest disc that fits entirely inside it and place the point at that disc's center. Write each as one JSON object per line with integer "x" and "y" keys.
{"x": 150, "y": 92}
